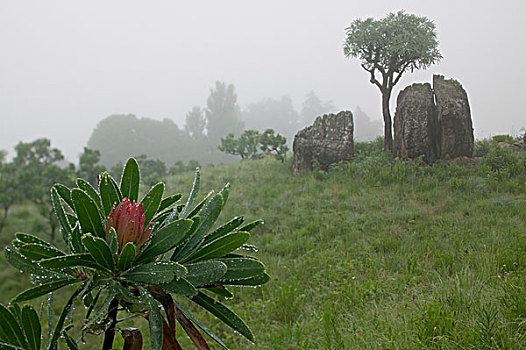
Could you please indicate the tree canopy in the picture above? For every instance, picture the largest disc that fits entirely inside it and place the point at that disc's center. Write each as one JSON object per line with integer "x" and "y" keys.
{"x": 388, "y": 48}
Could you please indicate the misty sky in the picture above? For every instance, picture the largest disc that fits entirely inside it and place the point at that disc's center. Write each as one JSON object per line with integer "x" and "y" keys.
{"x": 65, "y": 65}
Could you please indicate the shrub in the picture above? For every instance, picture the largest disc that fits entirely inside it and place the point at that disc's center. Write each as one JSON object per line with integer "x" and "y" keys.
{"x": 122, "y": 254}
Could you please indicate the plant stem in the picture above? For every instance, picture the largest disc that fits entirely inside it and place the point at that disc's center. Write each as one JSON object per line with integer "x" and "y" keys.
{"x": 109, "y": 335}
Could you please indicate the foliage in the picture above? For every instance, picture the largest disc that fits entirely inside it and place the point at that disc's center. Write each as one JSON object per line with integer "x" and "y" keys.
{"x": 248, "y": 143}
{"x": 179, "y": 167}
{"x": 391, "y": 46}
{"x": 274, "y": 143}
{"x": 223, "y": 115}
{"x": 153, "y": 170}
{"x": 89, "y": 167}
{"x": 122, "y": 254}
{"x": 503, "y": 138}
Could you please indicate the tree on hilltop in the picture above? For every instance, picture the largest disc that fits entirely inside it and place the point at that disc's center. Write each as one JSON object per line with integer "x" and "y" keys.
{"x": 389, "y": 47}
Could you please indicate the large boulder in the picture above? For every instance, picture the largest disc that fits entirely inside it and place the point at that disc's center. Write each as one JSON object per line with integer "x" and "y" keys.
{"x": 415, "y": 123}
{"x": 329, "y": 140}
{"x": 454, "y": 118}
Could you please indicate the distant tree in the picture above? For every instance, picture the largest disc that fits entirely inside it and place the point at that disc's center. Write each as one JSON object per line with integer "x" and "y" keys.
{"x": 276, "y": 143}
{"x": 277, "y": 114}
{"x": 365, "y": 129}
{"x": 195, "y": 123}
{"x": 391, "y": 46}
{"x": 89, "y": 167}
{"x": 119, "y": 137}
{"x": 11, "y": 190}
{"x": 38, "y": 167}
{"x": 223, "y": 115}
{"x": 246, "y": 145}
{"x": 313, "y": 107}
{"x": 153, "y": 170}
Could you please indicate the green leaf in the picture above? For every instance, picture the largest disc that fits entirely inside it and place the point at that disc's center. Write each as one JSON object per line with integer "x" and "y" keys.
{"x": 155, "y": 320}
{"x": 126, "y": 257}
{"x": 65, "y": 193}
{"x": 130, "y": 180}
{"x": 224, "y": 314}
{"x": 87, "y": 213}
{"x": 168, "y": 201}
{"x": 199, "y": 324}
{"x": 224, "y": 229}
{"x": 70, "y": 342}
{"x": 43, "y": 289}
{"x": 21, "y": 262}
{"x": 242, "y": 268}
{"x": 61, "y": 214}
{"x": 205, "y": 273}
{"x": 251, "y": 281}
{"x": 251, "y": 225}
{"x": 31, "y": 327}
{"x": 60, "y": 323}
{"x": 51, "y": 276}
{"x": 74, "y": 260}
{"x": 5, "y": 346}
{"x": 193, "y": 195}
{"x": 199, "y": 206}
{"x": 165, "y": 239}
{"x": 221, "y": 246}
{"x": 151, "y": 202}
{"x": 91, "y": 192}
{"x": 76, "y": 239}
{"x": 10, "y": 328}
{"x": 112, "y": 241}
{"x": 225, "y": 192}
{"x": 180, "y": 286}
{"x": 38, "y": 251}
{"x": 178, "y": 248}
{"x": 209, "y": 215}
{"x": 109, "y": 193}
{"x": 103, "y": 307}
{"x": 99, "y": 250}
{"x": 27, "y": 238}
{"x": 157, "y": 272}
{"x": 221, "y": 291}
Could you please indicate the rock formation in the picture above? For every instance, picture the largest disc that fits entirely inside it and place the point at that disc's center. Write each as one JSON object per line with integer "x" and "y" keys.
{"x": 433, "y": 123}
{"x": 454, "y": 118}
{"x": 415, "y": 123}
{"x": 329, "y": 140}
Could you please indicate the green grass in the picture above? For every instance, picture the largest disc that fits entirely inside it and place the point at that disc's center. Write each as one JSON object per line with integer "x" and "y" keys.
{"x": 377, "y": 254}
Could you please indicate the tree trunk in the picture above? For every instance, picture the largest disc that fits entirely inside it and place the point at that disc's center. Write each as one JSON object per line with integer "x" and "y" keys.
{"x": 388, "y": 134}
{"x": 109, "y": 335}
{"x": 2, "y": 223}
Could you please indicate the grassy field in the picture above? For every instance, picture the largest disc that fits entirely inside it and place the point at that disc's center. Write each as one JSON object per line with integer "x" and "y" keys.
{"x": 376, "y": 254}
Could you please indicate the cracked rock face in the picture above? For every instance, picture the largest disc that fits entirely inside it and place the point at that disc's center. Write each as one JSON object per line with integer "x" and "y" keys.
{"x": 415, "y": 123}
{"x": 454, "y": 117}
{"x": 329, "y": 140}
{"x": 434, "y": 123}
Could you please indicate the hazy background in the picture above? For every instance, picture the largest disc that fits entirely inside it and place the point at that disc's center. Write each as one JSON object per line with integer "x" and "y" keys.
{"x": 65, "y": 65}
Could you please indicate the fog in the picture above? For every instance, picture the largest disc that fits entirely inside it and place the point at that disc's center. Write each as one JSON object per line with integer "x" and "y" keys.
{"x": 65, "y": 65}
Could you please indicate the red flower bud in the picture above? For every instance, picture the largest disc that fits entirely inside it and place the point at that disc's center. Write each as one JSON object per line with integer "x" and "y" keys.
{"x": 128, "y": 221}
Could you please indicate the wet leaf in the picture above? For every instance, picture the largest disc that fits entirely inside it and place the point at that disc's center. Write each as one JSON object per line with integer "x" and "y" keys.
{"x": 130, "y": 180}
{"x": 192, "y": 331}
{"x": 151, "y": 202}
{"x": 155, "y": 273}
{"x": 10, "y": 328}
{"x": 193, "y": 195}
{"x": 109, "y": 193}
{"x": 132, "y": 338}
{"x": 221, "y": 246}
{"x": 31, "y": 327}
{"x": 65, "y": 193}
{"x": 224, "y": 314}
{"x": 168, "y": 201}
{"x": 126, "y": 257}
{"x": 38, "y": 251}
{"x": 43, "y": 289}
{"x": 180, "y": 286}
{"x": 73, "y": 260}
{"x": 99, "y": 250}
{"x": 87, "y": 213}
{"x": 165, "y": 239}
{"x": 206, "y": 272}
{"x": 252, "y": 281}
{"x": 224, "y": 229}
{"x": 91, "y": 192}
{"x": 242, "y": 268}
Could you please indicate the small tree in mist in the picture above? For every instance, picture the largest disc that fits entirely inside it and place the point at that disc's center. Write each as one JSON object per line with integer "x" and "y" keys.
{"x": 390, "y": 47}
{"x": 313, "y": 107}
{"x": 195, "y": 123}
{"x": 223, "y": 115}
{"x": 89, "y": 167}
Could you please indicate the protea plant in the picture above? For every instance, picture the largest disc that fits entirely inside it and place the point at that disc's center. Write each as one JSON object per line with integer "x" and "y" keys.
{"x": 123, "y": 255}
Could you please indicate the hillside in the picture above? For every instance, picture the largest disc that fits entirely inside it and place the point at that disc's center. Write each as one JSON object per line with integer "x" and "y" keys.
{"x": 375, "y": 254}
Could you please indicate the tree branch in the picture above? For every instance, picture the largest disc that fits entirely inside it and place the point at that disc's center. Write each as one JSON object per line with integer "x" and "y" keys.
{"x": 373, "y": 78}
{"x": 397, "y": 79}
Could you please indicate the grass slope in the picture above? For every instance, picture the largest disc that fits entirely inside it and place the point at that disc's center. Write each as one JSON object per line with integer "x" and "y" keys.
{"x": 378, "y": 254}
